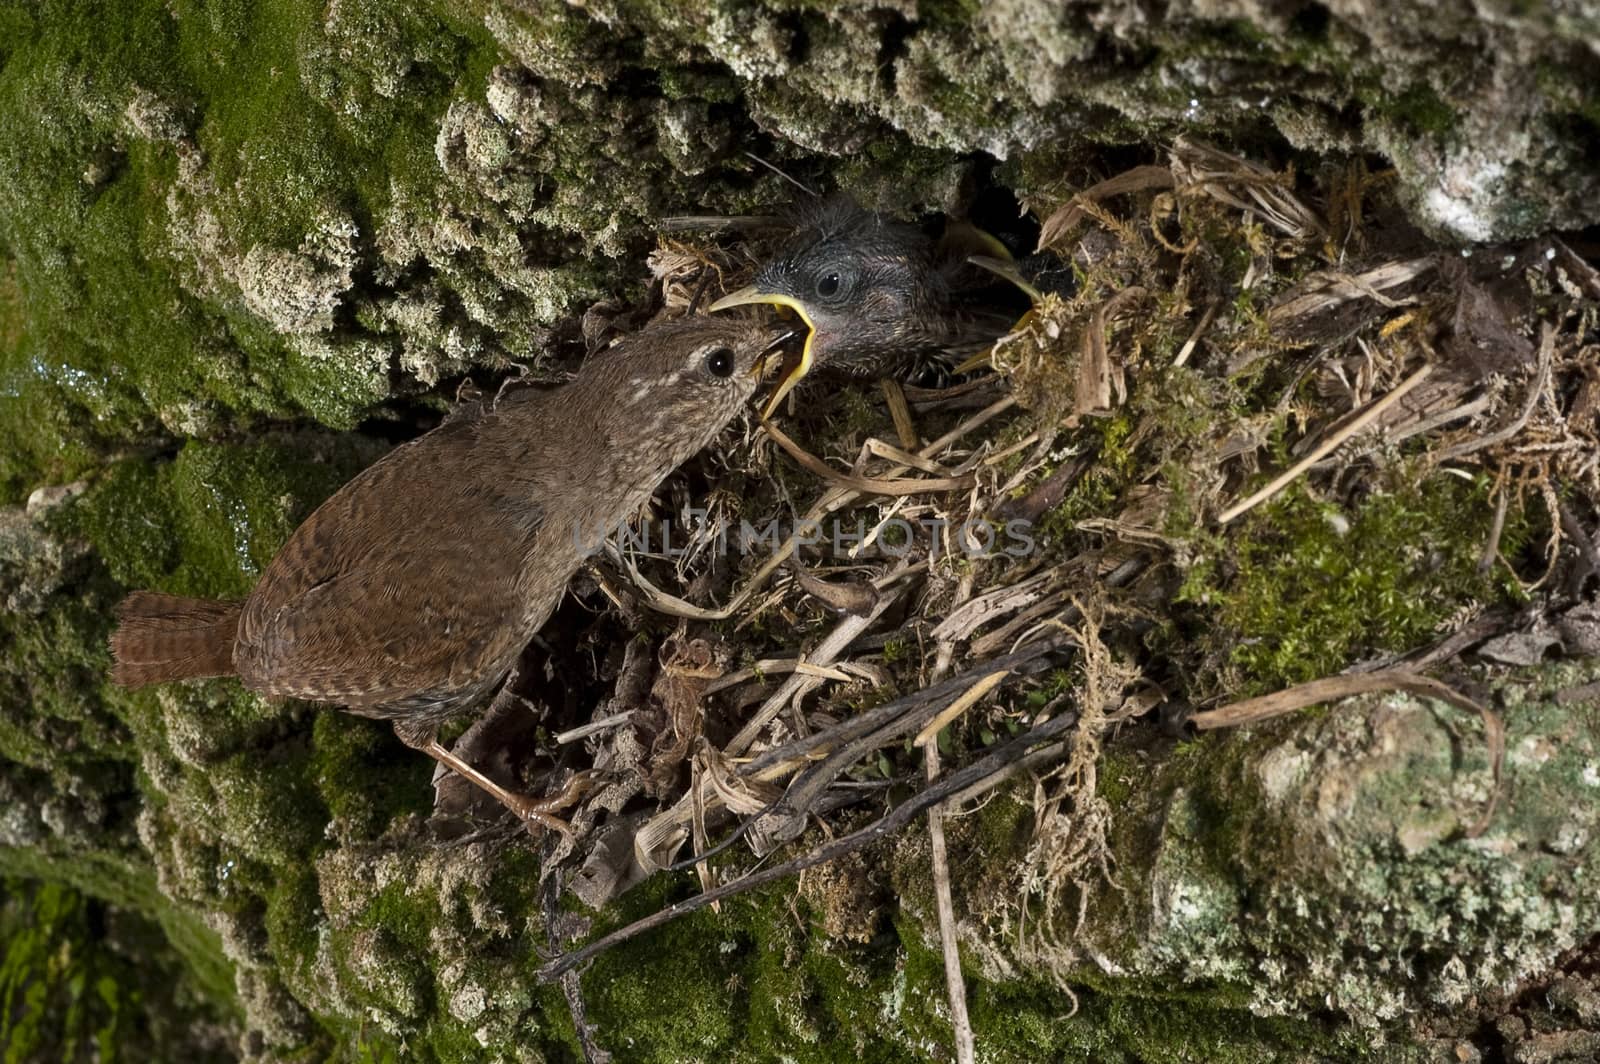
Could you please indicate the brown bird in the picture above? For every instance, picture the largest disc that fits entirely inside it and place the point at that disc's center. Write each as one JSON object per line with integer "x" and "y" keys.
{"x": 410, "y": 593}
{"x": 880, "y": 297}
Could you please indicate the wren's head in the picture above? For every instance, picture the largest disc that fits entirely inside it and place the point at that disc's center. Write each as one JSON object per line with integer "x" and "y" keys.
{"x": 673, "y": 386}
{"x": 861, "y": 282}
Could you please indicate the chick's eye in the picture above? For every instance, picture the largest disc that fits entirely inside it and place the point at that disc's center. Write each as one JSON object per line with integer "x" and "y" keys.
{"x": 828, "y": 284}
{"x": 719, "y": 362}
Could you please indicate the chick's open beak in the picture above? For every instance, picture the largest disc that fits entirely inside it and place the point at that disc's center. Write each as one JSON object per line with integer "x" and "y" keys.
{"x": 759, "y": 368}
{"x": 793, "y": 372}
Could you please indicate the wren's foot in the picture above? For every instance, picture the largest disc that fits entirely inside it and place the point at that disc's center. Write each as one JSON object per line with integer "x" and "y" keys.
{"x": 541, "y": 810}
{"x": 527, "y": 809}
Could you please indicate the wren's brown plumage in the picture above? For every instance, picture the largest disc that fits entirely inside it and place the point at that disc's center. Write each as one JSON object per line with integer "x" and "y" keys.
{"x": 878, "y": 295}
{"x": 411, "y": 592}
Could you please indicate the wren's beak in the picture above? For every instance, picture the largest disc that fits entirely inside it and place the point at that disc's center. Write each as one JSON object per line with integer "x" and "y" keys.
{"x": 753, "y": 294}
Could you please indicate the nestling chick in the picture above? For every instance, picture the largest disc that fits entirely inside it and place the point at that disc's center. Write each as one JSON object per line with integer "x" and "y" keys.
{"x": 881, "y": 297}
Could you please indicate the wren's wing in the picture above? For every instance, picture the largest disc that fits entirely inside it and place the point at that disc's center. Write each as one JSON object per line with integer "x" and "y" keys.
{"x": 367, "y": 638}
{"x": 389, "y": 592}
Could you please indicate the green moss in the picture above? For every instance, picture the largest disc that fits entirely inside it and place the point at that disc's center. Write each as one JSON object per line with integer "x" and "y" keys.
{"x": 266, "y": 805}
{"x": 201, "y": 523}
{"x": 210, "y": 520}
{"x": 103, "y": 337}
{"x": 1419, "y": 108}
{"x": 1096, "y": 493}
{"x": 51, "y": 662}
{"x": 898, "y": 650}
{"x": 80, "y": 981}
{"x": 108, "y": 333}
{"x": 365, "y": 775}
{"x": 1023, "y": 1022}
{"x": 1312, "y": 586}
{"x": 126, "y": 886}
{"x": 699, "y": 1017}
{"x": 770, "y": 987}
{"x": 292, "y": 916}
{"x": 1117, "y": 773}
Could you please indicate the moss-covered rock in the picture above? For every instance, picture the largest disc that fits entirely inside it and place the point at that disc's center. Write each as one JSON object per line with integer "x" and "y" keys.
{"x": 218, "y": 212}
{"x": 1359, "y": 859}
{"x": 284, "y": 859}
{"x": 228, "y": 227}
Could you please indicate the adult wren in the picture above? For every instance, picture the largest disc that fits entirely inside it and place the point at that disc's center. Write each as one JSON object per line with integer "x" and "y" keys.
{"x": 410, "y": 593}
{"x": 881, "y": 297}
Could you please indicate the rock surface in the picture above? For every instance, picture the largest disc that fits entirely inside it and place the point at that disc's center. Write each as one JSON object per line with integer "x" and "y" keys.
{"x": 217, "y": 220}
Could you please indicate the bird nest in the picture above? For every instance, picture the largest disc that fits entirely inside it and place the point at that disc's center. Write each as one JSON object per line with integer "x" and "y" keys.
{"x": 894, "y": 600}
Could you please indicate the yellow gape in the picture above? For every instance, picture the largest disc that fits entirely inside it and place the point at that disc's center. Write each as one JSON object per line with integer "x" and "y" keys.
{"x": 753, "y": 294}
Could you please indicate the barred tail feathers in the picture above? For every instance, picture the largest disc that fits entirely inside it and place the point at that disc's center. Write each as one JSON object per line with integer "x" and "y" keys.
{"x": 167, "y": 637}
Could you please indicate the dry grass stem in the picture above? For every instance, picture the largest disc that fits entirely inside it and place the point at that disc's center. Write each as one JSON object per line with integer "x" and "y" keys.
{"x": 1327, "y": 446}
{"x": 973, "y": 696}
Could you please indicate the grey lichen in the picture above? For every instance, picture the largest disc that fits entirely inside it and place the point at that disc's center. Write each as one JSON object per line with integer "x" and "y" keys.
{"x": 1362, "y": 859}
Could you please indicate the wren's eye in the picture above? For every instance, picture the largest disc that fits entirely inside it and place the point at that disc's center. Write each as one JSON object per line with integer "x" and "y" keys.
{"x": 719, "y": 362}
{"x": 828, "y": 284}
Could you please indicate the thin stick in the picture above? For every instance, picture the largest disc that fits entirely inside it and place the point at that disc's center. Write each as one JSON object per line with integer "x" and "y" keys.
{"x": 1021, "y": 445}
{"x": 598, "y": 725}
{"x": 1497, "y": 527}
{"x": 1327, "y": 689}
{"x": 833, "y": 500}
{"x": 878, "y": 449}
{"x": 944, "y": 900}
{"x": 1199, "y": 330}
{"x": 1471, "y": 408}
{"x": 571, "y": 984}
{"x": 976, "y": 421}
{"x": 1327, "y": 446}
{"x": 931, "y": 730}
{"x": 1547, "y": 343}
{"x": 904, "y": 426}
{"x": 825, "y": 754}
{"x": 796, "y": 182}
{"x": 1332, "y": 688}
{"x": 886, "y": 717}
{"x": 955, "y": 986}
{"x": 1042, "y": 756}
{"x": 841, "y": 637}
{"x": 895, "y": 820}
{"x": 864, "y": 485}
{"x": 1582, "y": 541}
{"x": 773, "y": 667}
{"x": 663, "y": 601}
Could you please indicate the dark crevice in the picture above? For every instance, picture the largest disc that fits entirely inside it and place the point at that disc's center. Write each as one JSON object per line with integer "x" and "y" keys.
{"x": 892, "y": 47}
{"x": 1350, "y": 119}
{"x": 994, "y": 209}
{"x": 1311, "y": 23}
{"x": 793, "y": 23}
{"x": 1579, "y": 132}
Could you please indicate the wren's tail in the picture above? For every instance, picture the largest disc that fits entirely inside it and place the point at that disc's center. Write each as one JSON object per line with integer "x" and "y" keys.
{"x": 167, "y": 637}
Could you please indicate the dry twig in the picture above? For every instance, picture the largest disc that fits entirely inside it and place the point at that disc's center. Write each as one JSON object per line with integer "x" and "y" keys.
{"x": 1333, "y": 688}
{"x": 995, "y": 761}
{"x": 1327, "y": 446}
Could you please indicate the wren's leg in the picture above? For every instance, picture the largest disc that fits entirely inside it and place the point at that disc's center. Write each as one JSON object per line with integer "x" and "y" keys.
{"x": 526, "y": 808}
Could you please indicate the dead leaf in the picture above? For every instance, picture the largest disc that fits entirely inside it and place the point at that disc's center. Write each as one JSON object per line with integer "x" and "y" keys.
{"x": 855, "y": 597}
